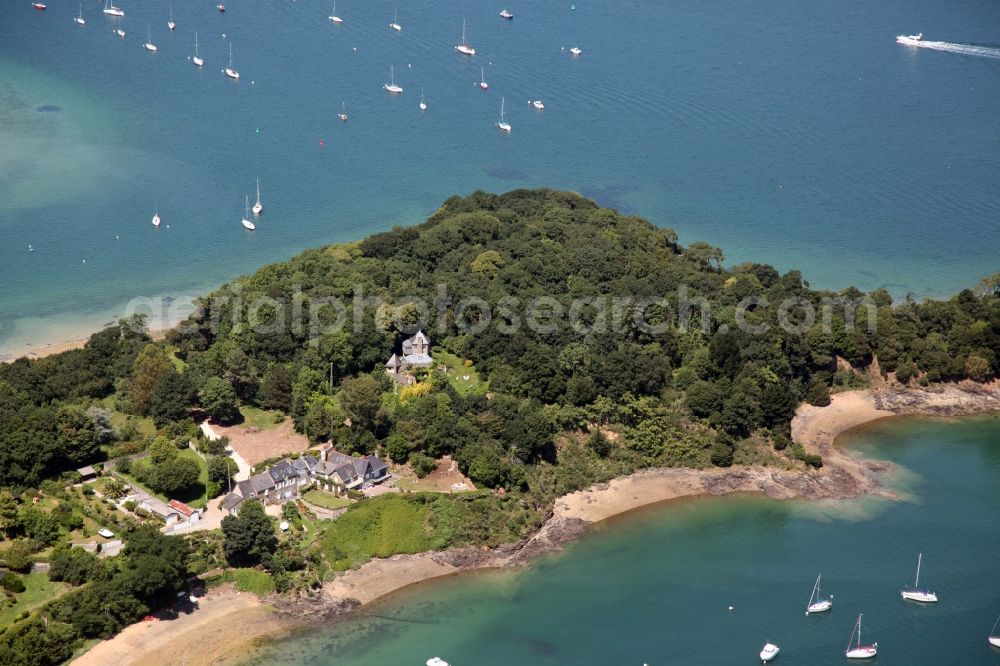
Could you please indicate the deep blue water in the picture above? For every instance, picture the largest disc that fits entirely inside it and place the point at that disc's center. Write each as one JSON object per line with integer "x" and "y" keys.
{"x": 654, "y": 588}
{"x": 793, "y": 133}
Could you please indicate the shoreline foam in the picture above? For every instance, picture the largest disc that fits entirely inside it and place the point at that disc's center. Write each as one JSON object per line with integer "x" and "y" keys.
{"x": 816, "y": 428}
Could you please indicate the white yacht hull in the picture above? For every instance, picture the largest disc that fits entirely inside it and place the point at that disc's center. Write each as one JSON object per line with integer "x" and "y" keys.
{"x": 994, "y": 641}
{"x": 257, "y": 209}
{"x": 863, "y": 652}
{"x": 922, "y": 596}
{"x": 247, "y": 224}
{"x": 232, "y": 73}
{"x": 769, "y": 652}
{"x": 198, "y": 62}
{"x": 149, "y": 47}
{"x": 394, "y": 89}
{"x": 465, "y": 50}
{"x": 820, "y": 607}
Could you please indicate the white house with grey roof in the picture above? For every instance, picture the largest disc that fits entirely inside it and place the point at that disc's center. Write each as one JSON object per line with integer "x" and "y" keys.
{"x": 283, "y": 480}
{"x": 416, "y": 354}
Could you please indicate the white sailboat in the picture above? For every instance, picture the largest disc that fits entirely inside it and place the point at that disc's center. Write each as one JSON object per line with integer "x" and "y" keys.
{"x": 859, "y": 651}
{"x": 437, "y": 661}
{"x": 198, "y": 62}
{"x": 816, "y": 603}
{"x": 423, "y": 106}
{"x": 916, "y": 593}
{"x": 482, "y": 79}
{"x": 391, "y": 85}
{"x": 246, "y": 214}
{"x": 343, "y": 111}
{"x": 258, "y": 207}
{"x": 464, "y": 47}
{"x": 769, "y": 652}
{"x": 170, "y": 23}
{"x": 395, "y": 22}
{"x": 538, "y": 104}
{"x": 230, "y": 72}
{"x": 149, "y": 45}
{"x": 119, "y": 31}
{"x": 333, "y": 15}
{"x": 111, "y": 10}
{"x": 156, "y": 216}
{"x": 79, "y": 18}
{"x": 501, "y": 124}
{"x": 993, "y": 638}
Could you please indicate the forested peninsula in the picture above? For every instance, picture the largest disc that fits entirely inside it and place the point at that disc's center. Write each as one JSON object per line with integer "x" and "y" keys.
{"x": 568, "y": 345}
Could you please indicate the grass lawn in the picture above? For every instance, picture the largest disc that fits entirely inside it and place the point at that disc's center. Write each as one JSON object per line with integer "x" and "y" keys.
{"x": 379, "y": 527}
{"x": 251, "y": 580}
{"x": 38, "y": 589}
{"x": 326, "y": 500}
{"x": 457, "y": 373}
{"x": 118, "y": 419}
{"x": 193, "y": 496}
{"x": 262, "y": 419}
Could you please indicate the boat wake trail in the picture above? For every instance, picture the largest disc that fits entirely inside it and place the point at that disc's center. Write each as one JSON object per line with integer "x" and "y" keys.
{"x": 964, "y": 49}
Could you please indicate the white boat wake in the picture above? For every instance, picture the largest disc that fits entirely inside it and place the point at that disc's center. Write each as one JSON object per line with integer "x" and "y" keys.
{"x": 950, "y": 47}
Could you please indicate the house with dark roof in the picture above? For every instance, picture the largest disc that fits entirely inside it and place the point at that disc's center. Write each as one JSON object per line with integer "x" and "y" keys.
{"x": 232, "y": 503}
{"x": 416, "y": 354}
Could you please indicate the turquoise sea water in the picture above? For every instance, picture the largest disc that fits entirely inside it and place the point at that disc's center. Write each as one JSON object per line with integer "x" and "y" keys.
{"x": 655, "y": 586}
{"x": 793, "y": 133}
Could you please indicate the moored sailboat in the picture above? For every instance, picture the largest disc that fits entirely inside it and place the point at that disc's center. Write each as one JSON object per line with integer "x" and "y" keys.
{"x": 391, "y": 85}
{"x": 816, "y": 603}
{"x": 395, "y": 22}
{"x": 230, "y": 72}
{"x": 170, "y": 24}
{"x": 502, "y": 125}
{"x": 859, "y": 651}
{"x": 464, "y": 47}
{"x": 196, "y": 59}
{"x": 482, "y": 79}
{"x": 111, "y": 10}
{"x": 333, "y": 15}
{"x": 149, "y": 45}
{"x": 917, "y": 593}
{"x": 993, "y": 638}
{"x": 258, "y": 207}
{"x": 247, "y": 224}
{"x": 79, "y": 18}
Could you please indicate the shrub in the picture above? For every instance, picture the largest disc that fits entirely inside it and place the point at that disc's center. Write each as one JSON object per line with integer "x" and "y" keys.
{"x": 422, "y": 464}
{"x": 12, "y": 583}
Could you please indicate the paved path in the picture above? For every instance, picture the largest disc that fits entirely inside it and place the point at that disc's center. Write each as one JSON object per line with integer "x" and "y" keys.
{"x": 244, "y": 469}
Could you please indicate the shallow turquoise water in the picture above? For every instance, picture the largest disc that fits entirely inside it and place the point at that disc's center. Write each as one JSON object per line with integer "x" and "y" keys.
{"x": 655, "y": 586}
{"x": 796, "y": 134}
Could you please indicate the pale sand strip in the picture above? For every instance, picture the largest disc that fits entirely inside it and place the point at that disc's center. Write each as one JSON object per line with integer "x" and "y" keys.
{"x": 224, "y": 626}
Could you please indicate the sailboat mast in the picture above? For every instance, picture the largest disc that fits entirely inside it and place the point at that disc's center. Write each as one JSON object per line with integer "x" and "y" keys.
{"x": 916, "y": 583}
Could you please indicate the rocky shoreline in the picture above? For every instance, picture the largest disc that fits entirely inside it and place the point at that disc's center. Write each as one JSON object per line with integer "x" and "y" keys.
{"x": 816, "y": 428}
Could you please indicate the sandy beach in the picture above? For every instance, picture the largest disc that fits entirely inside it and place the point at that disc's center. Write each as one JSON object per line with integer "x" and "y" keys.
{"x": 228, "y": 622}
{"x": 225, "y": 624}
{"x": 48, "y": 349}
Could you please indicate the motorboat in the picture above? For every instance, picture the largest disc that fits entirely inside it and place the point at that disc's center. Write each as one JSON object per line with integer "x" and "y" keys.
{"x": 506, "y": 14}
{"x": 769, "y": 652}
{"x": 575, "y": 51}
{"x": 538, "y": 104}
{"x": 39, "y": 6}
{"x": 910, "y": 40}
